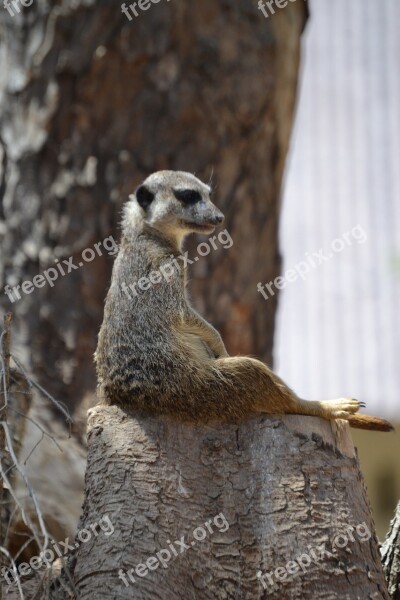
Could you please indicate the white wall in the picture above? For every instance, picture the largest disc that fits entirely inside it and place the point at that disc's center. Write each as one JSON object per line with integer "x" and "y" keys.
{"x": 339, "y": 330}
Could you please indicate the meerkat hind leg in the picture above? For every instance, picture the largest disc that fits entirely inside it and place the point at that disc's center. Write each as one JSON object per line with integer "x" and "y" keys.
{"x": 340, "y": 408}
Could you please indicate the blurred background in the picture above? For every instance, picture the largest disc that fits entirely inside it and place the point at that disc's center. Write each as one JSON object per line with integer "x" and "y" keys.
{"x": 338, "y": 328}
{"x": 92, "y": 101}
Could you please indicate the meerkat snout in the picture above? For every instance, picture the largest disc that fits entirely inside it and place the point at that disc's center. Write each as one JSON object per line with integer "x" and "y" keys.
{"x": 176, "y": 203}
{"x": 217, "y": 219}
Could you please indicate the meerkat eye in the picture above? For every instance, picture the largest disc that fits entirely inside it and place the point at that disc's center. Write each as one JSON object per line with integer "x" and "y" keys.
{"x": 187, "y": 196}
{"x": 144, "y": 197}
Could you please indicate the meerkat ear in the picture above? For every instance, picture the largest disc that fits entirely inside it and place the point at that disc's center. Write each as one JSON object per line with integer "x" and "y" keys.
{"x": 144, "y": 197}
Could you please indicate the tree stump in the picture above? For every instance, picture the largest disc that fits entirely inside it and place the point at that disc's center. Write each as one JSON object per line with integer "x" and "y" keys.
{"x": 275, "y": 507}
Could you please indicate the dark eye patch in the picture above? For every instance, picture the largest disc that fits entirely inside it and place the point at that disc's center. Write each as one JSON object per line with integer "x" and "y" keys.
{"x": 187, "y": 196}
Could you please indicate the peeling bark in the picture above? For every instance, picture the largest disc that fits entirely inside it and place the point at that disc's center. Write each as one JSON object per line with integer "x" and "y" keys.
{"x": 285, "y": 486}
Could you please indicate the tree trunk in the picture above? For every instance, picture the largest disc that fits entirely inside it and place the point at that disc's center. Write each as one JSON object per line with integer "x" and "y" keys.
{"x": 274, "y": 495}
{"x": 91, "y": 103}
{"x": 391, "y": 556}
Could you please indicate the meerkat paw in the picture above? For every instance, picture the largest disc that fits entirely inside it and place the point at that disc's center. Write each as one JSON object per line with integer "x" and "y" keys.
{"x": 342, "y": 408}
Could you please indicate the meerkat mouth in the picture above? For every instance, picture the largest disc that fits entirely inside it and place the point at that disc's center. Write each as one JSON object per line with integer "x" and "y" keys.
{"x": 207, "y": 227}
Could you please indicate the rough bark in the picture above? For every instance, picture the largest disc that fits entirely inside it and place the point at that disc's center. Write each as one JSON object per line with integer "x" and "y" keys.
{"x": 391, "y": 556}
{"x": 91, "y": 103}
{"x": 284, "y": 485}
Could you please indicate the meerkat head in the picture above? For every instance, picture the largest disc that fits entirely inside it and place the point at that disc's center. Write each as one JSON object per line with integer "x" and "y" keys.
{"x": 176, "y": 204}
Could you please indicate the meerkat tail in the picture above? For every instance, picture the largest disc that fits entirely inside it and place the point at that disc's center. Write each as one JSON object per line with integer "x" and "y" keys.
{"x": 359, "y": 421}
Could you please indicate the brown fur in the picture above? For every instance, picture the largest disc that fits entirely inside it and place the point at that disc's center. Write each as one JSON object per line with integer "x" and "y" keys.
{"x": 156, "y": 354}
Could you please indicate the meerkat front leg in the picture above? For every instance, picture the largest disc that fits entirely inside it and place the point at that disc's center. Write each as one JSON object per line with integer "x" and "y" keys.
{"x": 196, "y": 325}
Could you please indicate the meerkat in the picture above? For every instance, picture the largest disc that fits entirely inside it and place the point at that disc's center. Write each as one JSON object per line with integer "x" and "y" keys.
{"x": 155, "y": 353}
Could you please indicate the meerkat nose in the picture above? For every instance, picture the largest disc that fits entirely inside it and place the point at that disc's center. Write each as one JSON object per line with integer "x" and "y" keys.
{"x": 217, "y": 219}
